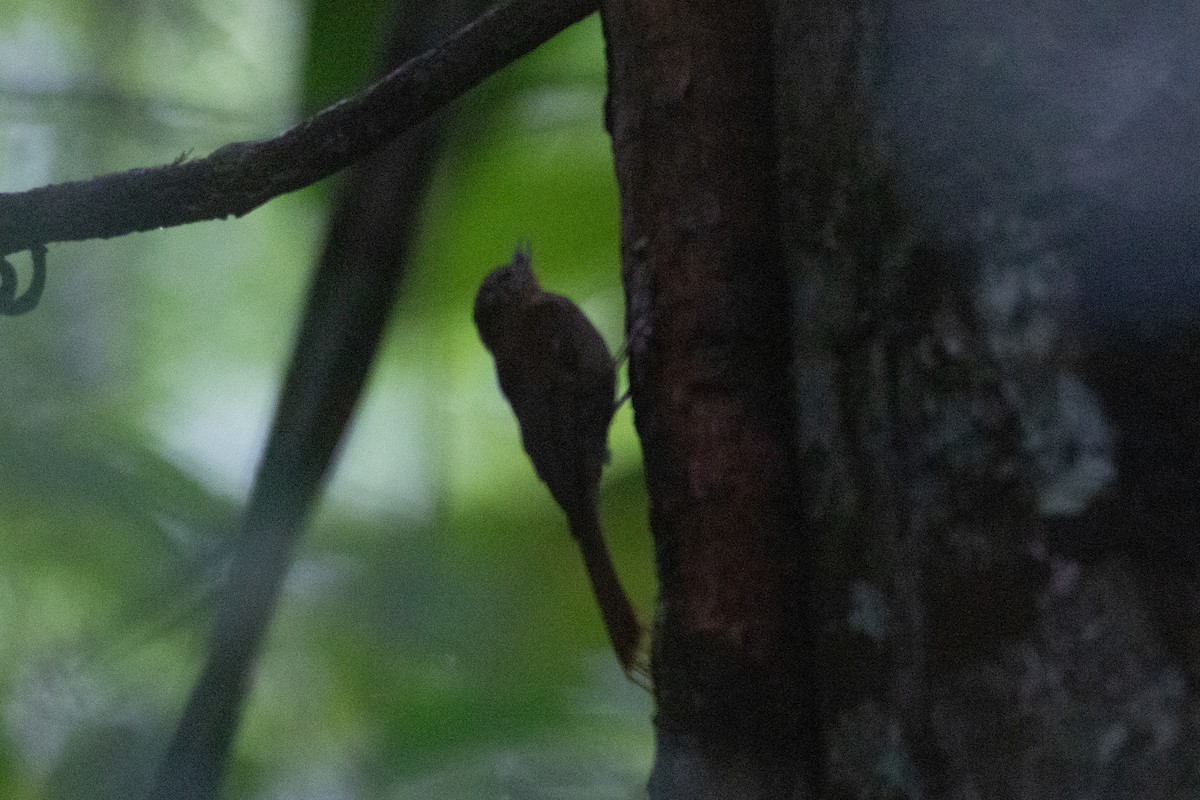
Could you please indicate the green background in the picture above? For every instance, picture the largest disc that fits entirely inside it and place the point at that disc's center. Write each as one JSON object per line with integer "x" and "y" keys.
{"x": 436, "y": 636}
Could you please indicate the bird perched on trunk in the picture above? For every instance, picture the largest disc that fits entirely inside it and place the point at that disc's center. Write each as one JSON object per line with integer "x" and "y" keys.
{"x": 557, "y": 374}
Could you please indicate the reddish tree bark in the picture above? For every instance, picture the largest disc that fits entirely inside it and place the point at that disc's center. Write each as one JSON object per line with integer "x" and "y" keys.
{"x": 854, "y": 572}
{"x": 709, "y": 320}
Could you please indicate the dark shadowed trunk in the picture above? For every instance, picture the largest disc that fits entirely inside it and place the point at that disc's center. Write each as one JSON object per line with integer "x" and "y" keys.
{"x": 708, "y": 327}
{"x": 887, "y": 561}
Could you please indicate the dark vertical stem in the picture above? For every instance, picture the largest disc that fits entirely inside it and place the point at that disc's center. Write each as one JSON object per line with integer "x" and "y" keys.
{"x": 350, "y": 300}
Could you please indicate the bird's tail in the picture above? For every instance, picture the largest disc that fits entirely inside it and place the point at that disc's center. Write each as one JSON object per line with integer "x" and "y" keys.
{"x": 624, "y": 629}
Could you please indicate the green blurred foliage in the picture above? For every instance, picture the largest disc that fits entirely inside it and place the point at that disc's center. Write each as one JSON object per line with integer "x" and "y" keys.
{"x": 436, "y": 637}
{"x": 343, "y": 46}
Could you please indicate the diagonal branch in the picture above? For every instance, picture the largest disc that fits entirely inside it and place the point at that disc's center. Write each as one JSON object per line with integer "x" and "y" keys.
{"x": 239, "y": 177}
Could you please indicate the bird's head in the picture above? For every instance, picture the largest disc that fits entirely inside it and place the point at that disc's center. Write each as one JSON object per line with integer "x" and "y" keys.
{"x": 502, "y": 292}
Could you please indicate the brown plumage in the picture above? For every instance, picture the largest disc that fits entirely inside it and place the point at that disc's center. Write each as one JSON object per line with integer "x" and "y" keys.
{"x": 559, "y": 378}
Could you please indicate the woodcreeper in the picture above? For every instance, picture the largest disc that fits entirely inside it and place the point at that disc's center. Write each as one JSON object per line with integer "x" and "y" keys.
{"x": 557, "y": 374}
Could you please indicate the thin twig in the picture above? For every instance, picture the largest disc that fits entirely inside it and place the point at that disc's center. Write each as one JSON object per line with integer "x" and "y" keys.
{"x": 239, "y": 177}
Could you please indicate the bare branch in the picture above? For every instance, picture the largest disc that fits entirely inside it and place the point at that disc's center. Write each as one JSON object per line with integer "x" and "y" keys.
{"x": 239, "y": 177}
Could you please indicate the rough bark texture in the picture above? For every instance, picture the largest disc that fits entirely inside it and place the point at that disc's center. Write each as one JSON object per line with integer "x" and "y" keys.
{"x": 910, "y": 563}
{"x": 708, "y": 331}
{"x": 967, "y": 654}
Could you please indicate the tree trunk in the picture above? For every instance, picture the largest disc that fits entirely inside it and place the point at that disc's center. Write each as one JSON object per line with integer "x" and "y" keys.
{"x": 859, "y": 450}
{"x": 708, "y": 330}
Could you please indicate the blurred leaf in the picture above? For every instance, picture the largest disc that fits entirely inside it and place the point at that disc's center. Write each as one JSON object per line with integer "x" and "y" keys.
{"x": 343, "y": 45}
